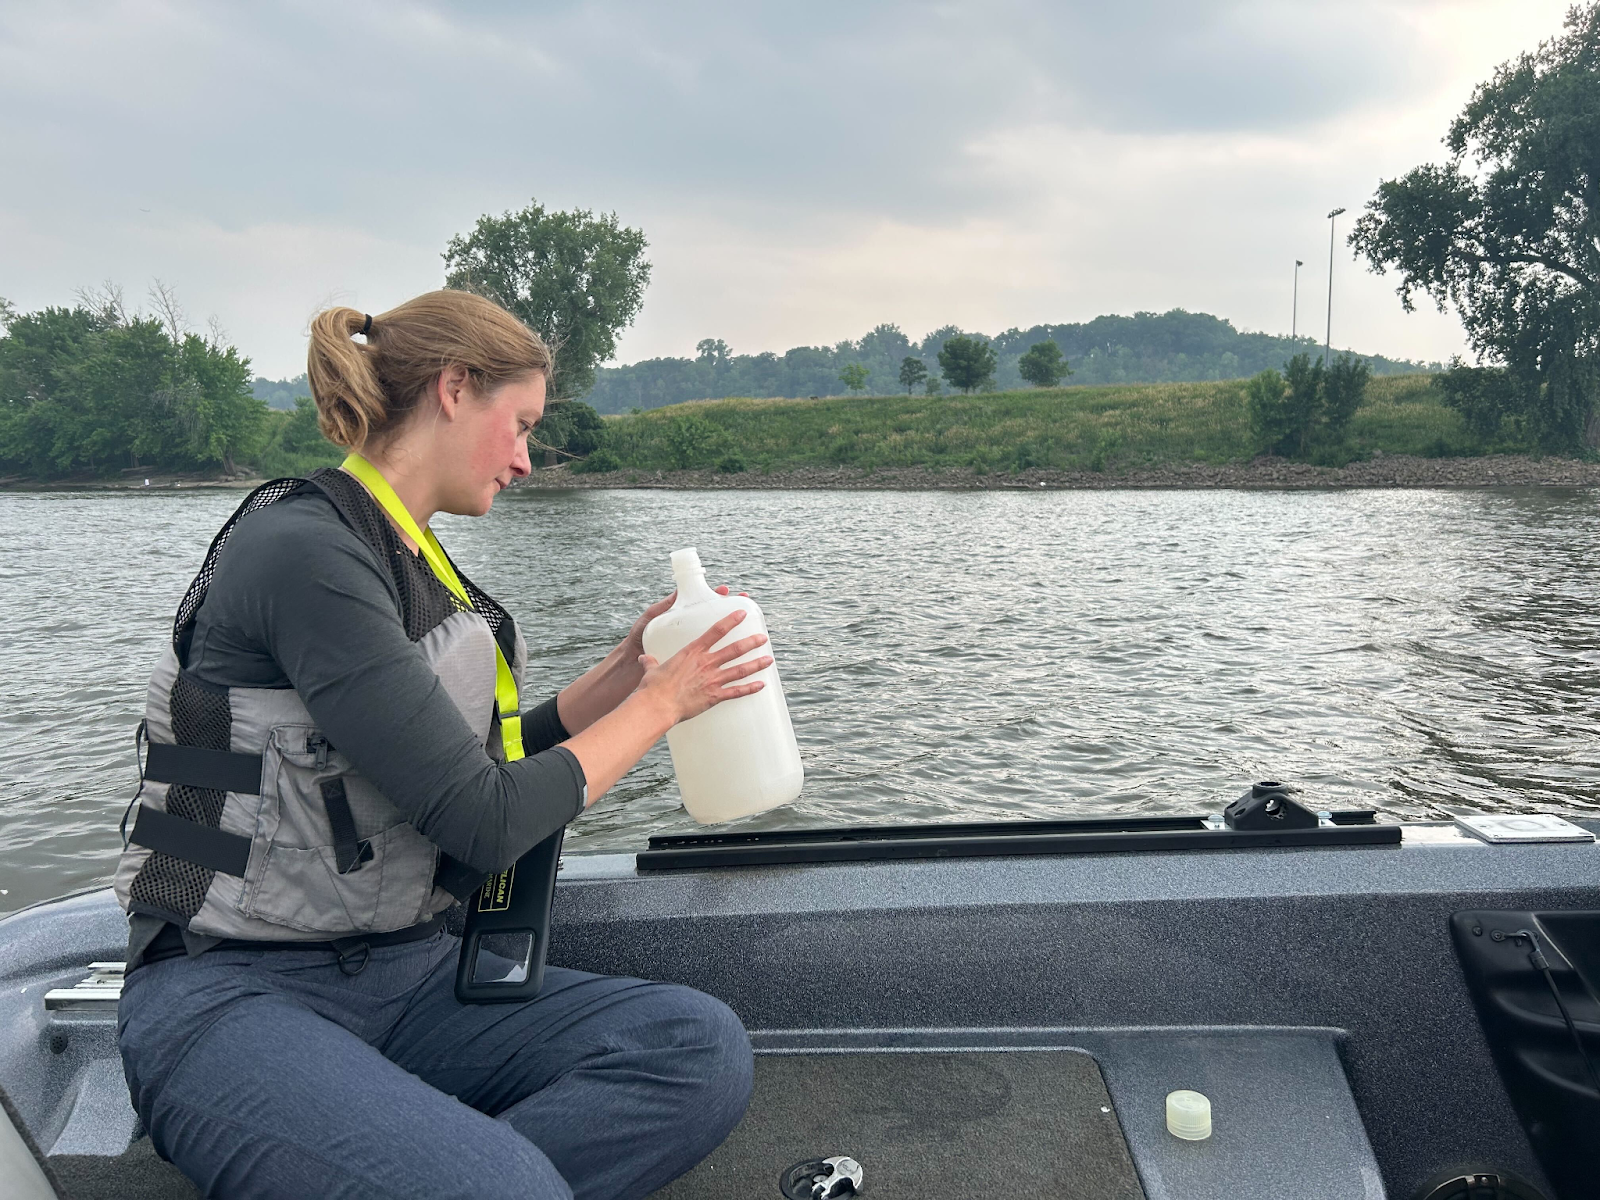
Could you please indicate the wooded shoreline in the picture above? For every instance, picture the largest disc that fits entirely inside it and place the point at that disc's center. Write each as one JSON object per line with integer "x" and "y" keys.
{"x": 1380, "y": 471}
{"x": 1383, "y": 471}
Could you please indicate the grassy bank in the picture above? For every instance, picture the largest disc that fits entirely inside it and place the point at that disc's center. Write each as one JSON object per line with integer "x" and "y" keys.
{"x": 1063, "y": 429}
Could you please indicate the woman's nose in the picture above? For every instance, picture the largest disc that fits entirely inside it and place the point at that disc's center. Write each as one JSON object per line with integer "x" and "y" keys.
{"x": 520, "y": 463}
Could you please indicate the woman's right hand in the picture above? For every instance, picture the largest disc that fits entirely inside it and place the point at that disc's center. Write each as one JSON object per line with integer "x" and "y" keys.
{"x": 698, "y": 677}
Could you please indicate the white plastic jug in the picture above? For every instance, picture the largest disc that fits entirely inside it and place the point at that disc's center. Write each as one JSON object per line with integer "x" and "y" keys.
{"x": 740, "y": 756}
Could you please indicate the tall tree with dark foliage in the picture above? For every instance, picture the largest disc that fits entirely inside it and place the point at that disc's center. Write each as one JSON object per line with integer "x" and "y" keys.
{"x": 576, "y": 279}
{"x": 1508, "y": 232}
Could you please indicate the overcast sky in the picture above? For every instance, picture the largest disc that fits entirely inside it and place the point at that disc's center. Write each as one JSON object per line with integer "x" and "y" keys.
{"x": 802, "y": 171}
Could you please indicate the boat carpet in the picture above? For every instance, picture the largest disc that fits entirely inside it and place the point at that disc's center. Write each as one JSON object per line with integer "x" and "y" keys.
{"x": 1034, "y": 1123}
{"x": 135, "y": 1174}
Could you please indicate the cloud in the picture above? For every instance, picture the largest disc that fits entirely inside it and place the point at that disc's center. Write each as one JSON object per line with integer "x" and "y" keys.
{"x": 803, "y": 172}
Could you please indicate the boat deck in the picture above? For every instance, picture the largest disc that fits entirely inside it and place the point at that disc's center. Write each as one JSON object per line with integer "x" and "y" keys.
{"x": 1314, "y": 994}
{"x": 1069, "y": 1113}
{"x": 938, "y": 1123}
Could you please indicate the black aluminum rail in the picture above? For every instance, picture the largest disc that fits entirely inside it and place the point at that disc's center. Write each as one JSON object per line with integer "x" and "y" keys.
{"x": 1098, "y": 835}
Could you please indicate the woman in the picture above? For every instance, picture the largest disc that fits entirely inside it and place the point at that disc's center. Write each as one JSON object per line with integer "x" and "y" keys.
{"x": 336, "y": 755}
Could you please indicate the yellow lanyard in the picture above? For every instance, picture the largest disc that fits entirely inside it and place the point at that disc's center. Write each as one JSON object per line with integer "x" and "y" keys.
{"x": 505, "y": 683}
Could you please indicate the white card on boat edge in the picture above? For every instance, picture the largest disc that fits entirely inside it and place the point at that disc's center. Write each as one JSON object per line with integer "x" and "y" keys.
{"x": 1522, "y": 827}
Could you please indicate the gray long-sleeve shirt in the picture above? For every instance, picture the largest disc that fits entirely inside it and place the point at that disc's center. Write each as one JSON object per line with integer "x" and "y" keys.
{"x": 300, "y": 600}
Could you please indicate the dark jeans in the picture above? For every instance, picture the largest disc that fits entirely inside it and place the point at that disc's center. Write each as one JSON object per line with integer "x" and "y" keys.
{"x": 269, "y": 1073}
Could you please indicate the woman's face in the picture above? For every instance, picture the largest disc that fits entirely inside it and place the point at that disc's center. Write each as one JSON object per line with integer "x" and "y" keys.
{"x": 492, "y": 443}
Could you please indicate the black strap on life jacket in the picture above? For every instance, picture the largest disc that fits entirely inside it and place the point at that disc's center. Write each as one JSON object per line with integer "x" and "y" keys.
{"x": 228, "y": 853}
{"x": 219, "y": 770}
{"x": 349, "y": 851}
{"x": 455, "y": 877}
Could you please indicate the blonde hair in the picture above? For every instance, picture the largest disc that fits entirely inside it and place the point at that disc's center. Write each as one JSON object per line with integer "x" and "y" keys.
{"x": 364, "y": 392}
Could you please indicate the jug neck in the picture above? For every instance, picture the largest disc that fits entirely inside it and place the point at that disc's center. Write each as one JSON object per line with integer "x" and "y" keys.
{"x": 691, "y": 579}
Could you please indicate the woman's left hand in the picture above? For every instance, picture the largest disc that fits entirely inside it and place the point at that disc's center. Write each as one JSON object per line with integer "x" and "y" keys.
{"x": 633, "y": 645}
{"x": 607, "y": 684}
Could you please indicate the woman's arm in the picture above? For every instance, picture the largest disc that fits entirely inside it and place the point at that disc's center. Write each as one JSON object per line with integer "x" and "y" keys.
{"x": 684, "y": 686}
{"x": 297, "y": 583}
{"x": 599, "y": 689}
{"x": 612, "y": 680}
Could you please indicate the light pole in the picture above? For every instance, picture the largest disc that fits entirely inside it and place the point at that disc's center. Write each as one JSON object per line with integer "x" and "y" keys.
{"x": 1327, "y": 346}
{"x": 1294, "y": 312}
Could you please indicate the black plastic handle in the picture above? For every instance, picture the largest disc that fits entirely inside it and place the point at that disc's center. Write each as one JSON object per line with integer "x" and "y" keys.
{"x": 508, "y": 929}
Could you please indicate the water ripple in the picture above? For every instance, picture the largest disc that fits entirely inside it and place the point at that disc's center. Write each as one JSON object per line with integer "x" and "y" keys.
{"x": 946, "y": 656}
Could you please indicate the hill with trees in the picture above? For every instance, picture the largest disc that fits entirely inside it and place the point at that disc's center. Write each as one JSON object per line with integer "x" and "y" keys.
{"x": 1102, "y": 428}
{"x": 1170, "y": 347}
{"x": 281, "y": 393}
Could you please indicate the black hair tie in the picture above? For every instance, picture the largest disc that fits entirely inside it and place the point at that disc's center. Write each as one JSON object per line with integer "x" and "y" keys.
{"x": 366, "y": 326}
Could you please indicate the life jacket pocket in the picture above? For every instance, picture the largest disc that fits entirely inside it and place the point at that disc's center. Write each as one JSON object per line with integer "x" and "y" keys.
{"x": 338, "y": 859}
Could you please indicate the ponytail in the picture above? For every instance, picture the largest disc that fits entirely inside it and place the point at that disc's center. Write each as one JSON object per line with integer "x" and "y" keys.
{"x": 350, "y": 402}
{"x": 365, "y": 391}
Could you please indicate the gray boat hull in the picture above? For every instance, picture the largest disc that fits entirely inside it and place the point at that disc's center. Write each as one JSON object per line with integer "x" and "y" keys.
{"x": 1313, "y": 993}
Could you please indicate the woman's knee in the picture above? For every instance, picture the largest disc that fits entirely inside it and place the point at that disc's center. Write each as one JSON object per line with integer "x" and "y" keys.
{"x": 717, "y": 1057}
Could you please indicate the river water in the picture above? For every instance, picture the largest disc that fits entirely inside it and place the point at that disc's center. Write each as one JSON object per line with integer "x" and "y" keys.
{"x": 946, "y": 655}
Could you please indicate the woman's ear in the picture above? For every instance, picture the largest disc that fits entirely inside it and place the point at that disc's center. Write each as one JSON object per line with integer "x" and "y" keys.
{"x": 451, "y": 390}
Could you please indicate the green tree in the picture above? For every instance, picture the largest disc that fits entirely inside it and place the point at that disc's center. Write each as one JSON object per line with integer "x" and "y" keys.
{"x": 713, "y": 352}
{"x": 1043, "y": 365}
{"x": 912, "y": 372}
{"x": 693, "y": 441}
{"x": 967, "y": 362}
{"x": 1265, "y": 400}
{"x": 94, "y": 389}
{"x": 601, "y": 461}
{"x": 222, "y": 419}
{"x": 47, "y": 364}
{"x": 574, "y": 277}
{"x": 1302, "y": 405}
{"x": 1344, "y": 387}
{"x": 854, "y": 377}
{"x": 1484, "y": 396}
{"x": 294, "y": 445}
{"x": 1306, "y": 409}
{"x": 571, "y": 427}
{"x": 1508, "y": 230}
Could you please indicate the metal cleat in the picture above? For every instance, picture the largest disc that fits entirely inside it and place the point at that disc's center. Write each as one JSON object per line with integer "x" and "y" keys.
{"x": 822, "y": 1179}
{"x": 843, "y": 1179}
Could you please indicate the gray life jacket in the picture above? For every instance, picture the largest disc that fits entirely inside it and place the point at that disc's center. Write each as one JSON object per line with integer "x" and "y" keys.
{"x": 250, "y": 824}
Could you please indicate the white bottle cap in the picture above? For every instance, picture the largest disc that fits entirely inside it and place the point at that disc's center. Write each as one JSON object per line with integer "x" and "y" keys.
{"x": 1188, "y": 1116}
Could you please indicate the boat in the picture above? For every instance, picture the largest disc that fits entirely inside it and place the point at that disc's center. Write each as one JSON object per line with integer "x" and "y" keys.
{"x": 1004, "y": 1009}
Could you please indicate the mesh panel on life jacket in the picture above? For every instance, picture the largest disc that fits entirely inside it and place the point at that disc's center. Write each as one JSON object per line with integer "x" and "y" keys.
{"x": 424, "y": 601}
{"x": 200, "y": 717}
{"x": 489, "y": 608}
{"x": 183, "y": 623}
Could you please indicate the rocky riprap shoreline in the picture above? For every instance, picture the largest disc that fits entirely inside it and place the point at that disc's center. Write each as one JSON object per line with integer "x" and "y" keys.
{"x": 129, "y": 481}
{"x": 1381, "y": 471}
